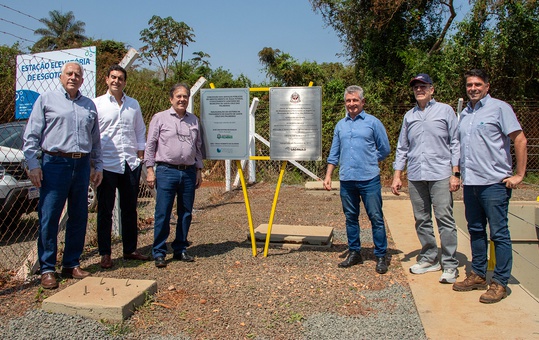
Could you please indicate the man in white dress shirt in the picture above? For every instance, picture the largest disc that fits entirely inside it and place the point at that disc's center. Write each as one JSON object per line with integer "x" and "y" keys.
{"x": 123, "y": 141}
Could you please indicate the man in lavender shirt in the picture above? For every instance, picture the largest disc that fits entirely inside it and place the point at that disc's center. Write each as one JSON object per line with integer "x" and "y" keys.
{"x": 174, "y": 147}
{"x": 428, "y": 143}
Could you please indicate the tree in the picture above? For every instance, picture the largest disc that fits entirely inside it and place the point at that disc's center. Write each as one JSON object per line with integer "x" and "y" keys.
{"x": 62, "y": 31}
{"x": 8, "y": 67}
{"x": 375, "y": 32}
{"x": 287, "y": 71}
{"x": 108, "y": 52}
{"x": 164, "y": 40}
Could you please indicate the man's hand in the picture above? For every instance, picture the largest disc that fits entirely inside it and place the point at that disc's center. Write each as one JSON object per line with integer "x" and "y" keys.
{"x": 510, "y": 182}
{"x": 327, "y": 183}
{"x": 150, "y": 177}
{"x": 36, "y": 176}
{"x": 396, "y": 185}
{"x": 199, "y": 179}
{"x": 96, "y": 177}
{"x": 454, "y": 183}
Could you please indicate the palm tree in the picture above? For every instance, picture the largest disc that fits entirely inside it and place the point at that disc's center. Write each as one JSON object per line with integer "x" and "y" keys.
{"x": 62, "y": 31}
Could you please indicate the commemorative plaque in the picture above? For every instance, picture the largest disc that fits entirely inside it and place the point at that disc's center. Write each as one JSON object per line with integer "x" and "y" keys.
{"x": 224, "y": 115}
{"x": 296, "y": 123}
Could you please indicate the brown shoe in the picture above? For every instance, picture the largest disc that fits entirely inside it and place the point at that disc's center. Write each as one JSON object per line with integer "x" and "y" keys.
{"x": 48, "y": 280}
{"x": 495, "y": 293}
{"x": 75, "y": 273}
{"x": 106, "y": 262}
{"x": 136, "y": 256}
{"x": 472, "y": 281}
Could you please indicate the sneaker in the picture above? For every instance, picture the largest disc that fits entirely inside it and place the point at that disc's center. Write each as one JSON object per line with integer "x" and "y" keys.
{"x": 449, "y": 275}
{"x": 423, "y": 267}
{"x": 495, "y": 293}
{"x": 472, "y": 281}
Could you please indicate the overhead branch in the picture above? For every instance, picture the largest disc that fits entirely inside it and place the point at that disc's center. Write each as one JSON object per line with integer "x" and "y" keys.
{"x": 448, "y": 23}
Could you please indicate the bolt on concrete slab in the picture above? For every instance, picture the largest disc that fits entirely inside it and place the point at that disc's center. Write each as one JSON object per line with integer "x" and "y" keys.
{"x": 101, "y": 298}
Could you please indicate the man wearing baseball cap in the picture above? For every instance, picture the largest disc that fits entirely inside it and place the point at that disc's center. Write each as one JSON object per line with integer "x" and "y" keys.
{"x": 428, "y": 145}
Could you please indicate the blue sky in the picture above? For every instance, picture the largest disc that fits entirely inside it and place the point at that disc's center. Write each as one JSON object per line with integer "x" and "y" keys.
{"x": 232, "y": 32}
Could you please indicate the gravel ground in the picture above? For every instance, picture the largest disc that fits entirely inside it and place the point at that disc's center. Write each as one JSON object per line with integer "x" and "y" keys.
{"x": 229, "y": 294}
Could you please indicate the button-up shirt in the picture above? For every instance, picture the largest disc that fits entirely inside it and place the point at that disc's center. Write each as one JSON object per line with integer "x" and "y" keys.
{"x": 61, "y": 124}
{"x": 484, "y": 141}
{"x": 174, "y": 140}
{"x": 358, "y": 145}
{"x": 123, "y": 132}
{"x": 428, "y": 141}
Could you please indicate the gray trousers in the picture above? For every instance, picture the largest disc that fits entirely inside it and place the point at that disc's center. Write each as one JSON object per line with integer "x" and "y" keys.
{"x": 434, "y": 195}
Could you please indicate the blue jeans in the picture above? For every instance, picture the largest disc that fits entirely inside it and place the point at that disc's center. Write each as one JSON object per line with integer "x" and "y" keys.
{"x": 434, "y": 195}
{"x": 352, "y": 192}
{"x": 128, "y": 188}
{"x": 173, "y": 183}
{"x": 63, "y": 179}
{"x": 490, "y": 203}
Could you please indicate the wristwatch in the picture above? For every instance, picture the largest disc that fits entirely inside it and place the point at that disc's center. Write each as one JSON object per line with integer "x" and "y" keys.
{"x": 456, "y": 174}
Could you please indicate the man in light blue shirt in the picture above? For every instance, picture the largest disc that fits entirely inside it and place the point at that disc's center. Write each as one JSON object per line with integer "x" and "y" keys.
{"x": 63, "y": 126}
{"x": 359, "y": 143}
{"x": 428, "y": 143}
{"x": 486, "y": 128}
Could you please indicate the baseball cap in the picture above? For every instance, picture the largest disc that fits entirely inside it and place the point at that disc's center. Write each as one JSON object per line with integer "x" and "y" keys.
{"x": 421, "y": 77}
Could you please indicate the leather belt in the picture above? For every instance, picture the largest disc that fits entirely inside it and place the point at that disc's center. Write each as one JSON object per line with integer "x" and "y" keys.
{"x": 74, "y": 155}
{"x": 174, "y": 166}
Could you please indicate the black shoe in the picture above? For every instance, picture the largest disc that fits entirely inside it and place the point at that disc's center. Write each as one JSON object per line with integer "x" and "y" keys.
{"x": 160, "y": 262}
{"x": 381, "y": 265}
{"x": 184, "y": 257}
{"x": 354, "y": 257}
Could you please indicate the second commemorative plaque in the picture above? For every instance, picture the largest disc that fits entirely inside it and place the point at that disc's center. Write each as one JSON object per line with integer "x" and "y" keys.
{"x": 295, "y": 123}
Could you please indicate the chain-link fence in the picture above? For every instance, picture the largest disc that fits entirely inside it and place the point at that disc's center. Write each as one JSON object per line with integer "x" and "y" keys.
{"x": 18, "y": 199}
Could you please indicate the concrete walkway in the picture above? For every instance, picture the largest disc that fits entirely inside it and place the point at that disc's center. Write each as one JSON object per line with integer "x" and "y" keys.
{"x": 447, "y": 314}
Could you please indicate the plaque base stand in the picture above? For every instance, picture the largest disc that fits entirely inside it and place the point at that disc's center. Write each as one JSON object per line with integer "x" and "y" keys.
{"x": 295, "y": 236}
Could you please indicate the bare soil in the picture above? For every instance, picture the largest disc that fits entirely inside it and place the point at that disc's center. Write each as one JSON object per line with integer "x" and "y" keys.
{"x": 228, "y": 293}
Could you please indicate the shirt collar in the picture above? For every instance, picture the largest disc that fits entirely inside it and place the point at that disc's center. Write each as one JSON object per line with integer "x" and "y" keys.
{"x": 69, "y": 97}
{"x": 429, "y": 104}
{"x": 479, "y": 104}
{"x": 111, "y": 97}
{"x": 173, "y": 112}
{"x": 360, "y": 115}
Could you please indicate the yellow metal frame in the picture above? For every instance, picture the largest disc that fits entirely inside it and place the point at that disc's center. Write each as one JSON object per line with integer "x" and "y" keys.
{"x": 246, "y": 196}
{"x": 247, "y": 207}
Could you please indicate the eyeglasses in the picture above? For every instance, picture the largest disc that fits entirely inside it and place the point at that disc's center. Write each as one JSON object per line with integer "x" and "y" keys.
{"x": 421, "y": 87}
{"x": 183, "y": 137}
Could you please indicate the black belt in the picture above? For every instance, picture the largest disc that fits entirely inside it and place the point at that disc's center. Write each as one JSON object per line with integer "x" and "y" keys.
{"x": 174, "y": 166}
{"x": 66, "y": 154}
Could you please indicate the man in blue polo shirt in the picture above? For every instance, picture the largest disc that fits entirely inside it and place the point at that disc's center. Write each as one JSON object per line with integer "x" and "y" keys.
{"x": 359, "y": 143}
{"x": 428, "y": 143}
{"x": 486, "y": 128}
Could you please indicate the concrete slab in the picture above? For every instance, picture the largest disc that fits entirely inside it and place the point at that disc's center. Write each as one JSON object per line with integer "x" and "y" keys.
{"x": 523, "y": 221}
{"x": 318, "y": 185}
{"x": 447, "y": 314}
{"x": 295, "y": 235}
{"x": 336, "y": 186}
{"x": 101, "y": 298}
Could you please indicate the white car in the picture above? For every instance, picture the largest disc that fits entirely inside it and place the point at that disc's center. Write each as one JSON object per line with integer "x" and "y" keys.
{"x": 17, "y": 194}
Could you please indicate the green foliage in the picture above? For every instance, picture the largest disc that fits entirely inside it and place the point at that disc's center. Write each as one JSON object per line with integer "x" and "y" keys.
{"x": 8, "y": 67}
{"x": 62, "y": 31}
{"x": 117, "y": 329}
{"x": 376, "y": 32}
{"x": 164, "y": 40}
{"x": 109, "y": 52}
